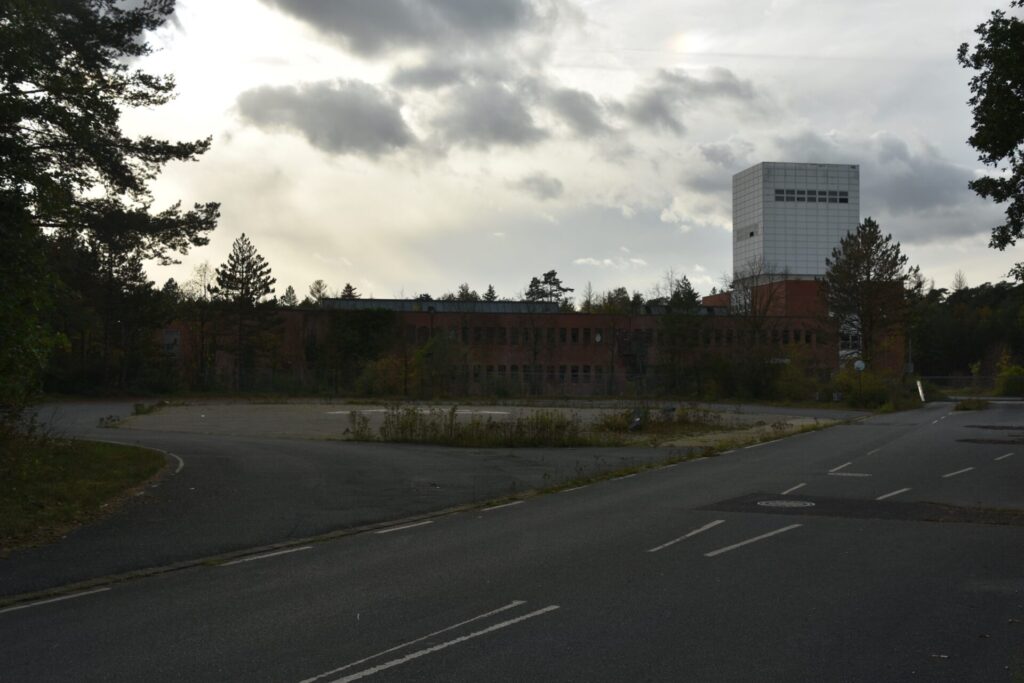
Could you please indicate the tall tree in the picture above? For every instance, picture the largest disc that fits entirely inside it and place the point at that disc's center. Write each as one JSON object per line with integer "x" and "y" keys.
{"x": 349, "y": 292}
{"x": 67, "y": 73}
{"x": 289, "y": 298}
{"x": 318, "y": 291}
{"x": 866, "y": 285}
{"x": 245, "y": 277}
{"x": 466, "y": 294}
{"x": 490, "y": 294}
{"x": 997, "y": 102}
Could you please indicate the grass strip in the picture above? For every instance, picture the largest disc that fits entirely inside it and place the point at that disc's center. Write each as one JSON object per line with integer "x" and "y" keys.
{"x": 49, "y": 486}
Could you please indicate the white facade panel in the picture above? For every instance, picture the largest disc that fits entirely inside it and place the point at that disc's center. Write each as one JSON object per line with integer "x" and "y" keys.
{"x": 791, "y": 216}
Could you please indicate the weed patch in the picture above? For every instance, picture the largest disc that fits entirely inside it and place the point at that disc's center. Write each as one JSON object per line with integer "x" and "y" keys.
{"x": 48, "y": 486}
{"x": 971, "y": 404}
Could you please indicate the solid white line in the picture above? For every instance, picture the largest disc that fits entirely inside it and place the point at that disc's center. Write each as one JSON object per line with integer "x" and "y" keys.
{"x": 848, "y": 474}
{"x": 751, "y": 540}
{"x": 628, "y": 476}
{"x": 794, "y": 488}
{"x": 892, "y": 493}
{"x": 406, "y": 526}
{"x": 435, "y": 648}
{"x": 505, "y": 505}
{"x": 514, "y": 603}
{"x": 266, "y": 555}
{"x": 685, "y": 536}
{"x": 1004, "y": 456}
{"x": 181, "y": 463}
{"x": 731, "y": 450}
{"x": 49, "y": 600}
{"x": 665, "y": 467}
{"x": 836, "y": 469}
{"x": 953, "y": 474}
{"x": 874, "y": 450}
{"x": 575, "y": 488}
{"x": 764, "y": 443}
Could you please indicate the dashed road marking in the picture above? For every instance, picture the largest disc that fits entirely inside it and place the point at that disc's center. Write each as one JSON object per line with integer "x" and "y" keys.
{"x": 755, "y": 539}
{"x": 57, "y": 599}
{"x": 892, "y": 493}
{"x": 265, "y": 555}
{"x": 794, "y": 488}
{"x": 836, "y": 469}
{"x": 505, "y": 505}
{"x": 687, "y": 535}
{"x": 874, "y": 450}
{"x": 1004, "y": 456}
{"x": 953, "y": 474}
{"x": 848, "y": 474}
{"x": 404, "y": 526}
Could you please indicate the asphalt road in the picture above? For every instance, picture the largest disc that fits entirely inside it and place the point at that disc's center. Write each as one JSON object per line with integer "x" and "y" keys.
{"x": 673, "y": 574}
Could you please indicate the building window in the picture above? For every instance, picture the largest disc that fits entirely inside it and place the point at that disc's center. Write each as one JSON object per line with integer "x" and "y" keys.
{"x": 785, "y": 336}
{"x": 551, "y": 374}
{"x": 477, "y": 335}
{"x": 574, "y": 335}
{"x": 476, "y": 373}
{"x": 586, "y": 374}
{"x": 807, "y": 337}
{"x": 586, "y": 335}
{"x": 514, "y": 338}
{"x": 575, "y": 374}
{"x": 514, "y": 372}
{"x": 551, "y": 335}
{"x": 490, "y": 372}
{"x": 561, "y": 335}
{"x": 561, "y": 374}
{"x": 465, "y": 335}
{"x": 501, "y": 371}
{"x": 728, "y": 337}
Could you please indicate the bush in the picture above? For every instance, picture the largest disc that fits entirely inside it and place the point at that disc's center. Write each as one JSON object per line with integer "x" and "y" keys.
{"x": 1010, "y": 381}
{"x": 971, "y": 404}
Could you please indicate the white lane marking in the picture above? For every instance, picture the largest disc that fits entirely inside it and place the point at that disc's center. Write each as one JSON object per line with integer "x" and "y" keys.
{"x": 405, "y": 526}
{"x": 484, "y": 412}
{"x": 953, "y": 474}
{"x": 49, "y": 600}
{"x": 441, "y": 646}
{"x": 836, "y": 469}
{"x": 794, "y": 488}
{"x": 181, "y": 463}
{"x": 874, "y": 450}
{"x": 892, "y": 493}
{"x": 504, "y": 505}
{"x": 666, "y": 467}
{"x": 346, "y": 412}
{"x": 685, "y": 536}
{"x": 514, "y": 603}
{"x": 764, "y": 443}
{"x": 575, "y": 488}
{"x": 731, "y": 450}
{"x": 848, "y": 474}
{"x": 751, "y": 540}
{"x": 266, "y": 555}
{"x": 628, "y": 476}
{"x": 935, "y": 422}
{"x": 1004, "y": 456}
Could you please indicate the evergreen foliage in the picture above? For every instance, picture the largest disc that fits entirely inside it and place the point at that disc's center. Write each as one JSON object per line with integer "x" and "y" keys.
{"x": 245, "y": 277}
{"x": 866, "y": 285}
{"x": 289, "y": 298}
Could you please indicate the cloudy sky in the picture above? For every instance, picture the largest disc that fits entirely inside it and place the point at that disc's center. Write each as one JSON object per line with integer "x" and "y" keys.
{"x": 410, "y": 145}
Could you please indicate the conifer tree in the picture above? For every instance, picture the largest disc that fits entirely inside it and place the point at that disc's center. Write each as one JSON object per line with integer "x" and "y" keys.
{"x": 245, "y": 277}
{"x": 490, "y": 294}
{"x": 289, "y": 298}
{"x": 349, "y": 292}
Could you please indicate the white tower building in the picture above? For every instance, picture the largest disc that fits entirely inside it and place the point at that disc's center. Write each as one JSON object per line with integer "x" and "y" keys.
{"x": 790, "y": 216}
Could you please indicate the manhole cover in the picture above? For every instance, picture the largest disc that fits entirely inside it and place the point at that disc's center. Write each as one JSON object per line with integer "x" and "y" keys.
{"x": 785, "y": 503}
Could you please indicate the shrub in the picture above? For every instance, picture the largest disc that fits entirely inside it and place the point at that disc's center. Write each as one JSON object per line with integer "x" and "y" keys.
{"x": 1010, "y": 381}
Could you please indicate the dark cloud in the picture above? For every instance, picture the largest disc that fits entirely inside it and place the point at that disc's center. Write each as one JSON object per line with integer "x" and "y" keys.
{"x": 485, "y": 115}
{"x": 579, "y": 109}
{"x": 341, "y": 117}
{"x": 541, "y": 186}
{"x": 372, "y": 27}
{"x": 428, "y": 76}
{"x": 925, "y": 195}
{"x": 720, "y": 154}
{"x": 660, "y": 104}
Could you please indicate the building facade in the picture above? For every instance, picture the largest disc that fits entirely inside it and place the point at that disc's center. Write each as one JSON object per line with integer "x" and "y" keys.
{"x": 788, "y": 217}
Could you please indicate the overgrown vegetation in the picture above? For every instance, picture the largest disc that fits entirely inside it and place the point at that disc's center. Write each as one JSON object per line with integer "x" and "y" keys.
{"x": 971, "y": 404}
{"x": 445, "y": 427}
{"x": 48, "y": 486}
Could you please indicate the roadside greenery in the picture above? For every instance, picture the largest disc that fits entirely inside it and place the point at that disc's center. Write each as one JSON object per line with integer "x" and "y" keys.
{"x": 48, "y": 486}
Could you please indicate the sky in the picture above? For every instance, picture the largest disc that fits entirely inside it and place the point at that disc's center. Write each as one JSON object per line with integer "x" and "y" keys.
{"x": 408, "y": 146}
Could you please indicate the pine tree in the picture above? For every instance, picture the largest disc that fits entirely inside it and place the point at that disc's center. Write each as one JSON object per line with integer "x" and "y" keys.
{"x": 466, "y": 294}
{"x": 490, "y": 294}
{"x": 349, "y": 292}
{"x": 289, "y": 298}
{"x": 318, "y": 291}
{"x": 865, "y": 285}
{"x": 245, "y": 278}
